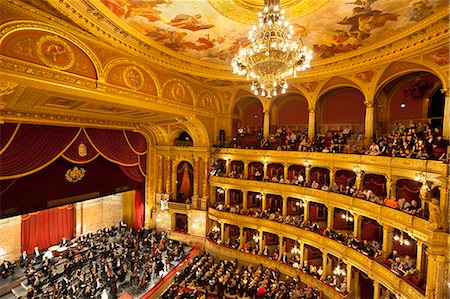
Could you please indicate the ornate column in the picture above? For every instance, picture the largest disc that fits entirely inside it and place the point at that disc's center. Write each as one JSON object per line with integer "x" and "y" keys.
{"x": 368, "y": 125}
{"x": 160, "y": 173}
{"x": 223, "y": 232}
{"x": 435, "y": 276}
{"x": 265, "y": 168}
{"x": 227, "y": 167}
{"x": 330, "y": 217}
{"x": 263, "y": 202}
{"x": 306, "y": 210}
{"x": 446, "y": 119}
{"x": 307, "y": 170}
{"x": 349, "y": 278}
{"x": 356, "y": 287}
{"x": 376, "y": 290}
{"x": 332, "y": 175}
{"x": 326, "y": 271}
{"x": 261, "y": 240}
{"x": 388, "y": 240}
{"x": 244, "y": 200}
{"x": 285, "y": 202}
{"x": 168, "y": 174}
{"x": 312, "y": 123}
{"x": 357, "y": 225}
{"x": 213, "y": 194}
{"x": 281, "y": 246}
{"x": 245, "y": 170}
{"x": 389, "y": 186}
{"x": 227, "y": 196}
{"x": 241, "y": 237}
{"x": 195, "y": 183}
{"x": 303, "y": 254}
{"x": 266, "y": 130}
{"x": 419, "y": 254}
{"x": 205, "y": 195}
{"x": 285, "y": 170}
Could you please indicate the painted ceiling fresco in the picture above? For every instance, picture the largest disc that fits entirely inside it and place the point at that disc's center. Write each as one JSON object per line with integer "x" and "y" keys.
{"x": 194, "y": 28}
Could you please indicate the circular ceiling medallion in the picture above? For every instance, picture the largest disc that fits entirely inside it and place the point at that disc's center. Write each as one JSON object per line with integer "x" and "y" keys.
{"x": 55, "y": 52}
{"x": 246, "y": 11}
{"x": 133, "y": 77}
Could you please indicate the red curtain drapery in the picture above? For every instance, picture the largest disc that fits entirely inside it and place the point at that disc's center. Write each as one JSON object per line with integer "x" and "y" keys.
{"x": 344, "y": 177}
{"x": 275, "y": 170}
{"x": 320, "y": 175}
{"x": 253, "y": 167}
{"x": 237, "y": 166}
{"x": 370, "y": 230}
{"x": 33, "y": 148}
{"x": 376, "y": 183}
{"x": 294, "y": 170}
{"x": 47, "y": 227}
{"x": 139, "y": 208}
{"x": 185, "y": 179}
{"x": 26, "y": 149}
{"x": 408, "y": 189}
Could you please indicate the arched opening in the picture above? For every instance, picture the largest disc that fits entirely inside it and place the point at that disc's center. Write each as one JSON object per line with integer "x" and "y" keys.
{"x": 290, "y": 112}
{"x": 185, "y": 181}
{"x": 184, "y": 139}
{"x": 410, "y": 99}
{"x": 335, "y": 115}
{"x": 181, "y": 223}
{"x": 248, "y": 120}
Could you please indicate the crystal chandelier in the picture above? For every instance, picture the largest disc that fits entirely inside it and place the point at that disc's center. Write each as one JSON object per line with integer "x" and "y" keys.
{"x": 272, "y": 56}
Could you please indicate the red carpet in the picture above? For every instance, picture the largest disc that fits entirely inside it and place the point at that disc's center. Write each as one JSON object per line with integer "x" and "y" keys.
{"x": 170, "y": 274}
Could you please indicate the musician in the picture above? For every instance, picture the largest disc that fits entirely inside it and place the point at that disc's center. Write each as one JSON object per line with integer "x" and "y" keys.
{"x": 5, "y": 267}
{"x": 36, "y": 256}
{"x": 122, "y": 225}
{"x": 64, "y": 242}
{"x": 23, "y": 259}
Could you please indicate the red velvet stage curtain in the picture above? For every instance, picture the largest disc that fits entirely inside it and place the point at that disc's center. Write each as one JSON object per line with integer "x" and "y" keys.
{"x": 294, "y": 170}
{"x": 370, "y": 230}
{"x": 81, "y": 151}
{"x": 376, "y": 183}
{"x": 133, "y": 173}
{"x": 136, "y": 141}
{"x": 33, "y": 148}
{"x": 320, "y": 175}
{"x": 344, "y": 177}
{"x": 47, "y": 227}
{"x": 7, "y": 135}
{"x": 275, "y": 170}
{"x": 139, "y": 208}
{"x": 408, "y": 190}
{"x": 185, "y": 179}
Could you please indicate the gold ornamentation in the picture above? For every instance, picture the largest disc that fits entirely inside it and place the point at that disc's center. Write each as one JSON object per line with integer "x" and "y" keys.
{"x": 366, "y": 77}
{"x": 82, "y": 150}
{"x": 133, "y": 77}
{"x": 75, "y": 175}
{"x": 55, "y": 52}
{"x": 178, "y": 92}
{"x": 435, "y": 214}
{"x": 7, "y": 88}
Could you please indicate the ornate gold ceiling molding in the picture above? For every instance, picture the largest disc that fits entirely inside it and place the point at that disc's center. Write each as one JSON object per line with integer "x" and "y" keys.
{"x": 246, "y": 11}
{"x": 88, "y": 17}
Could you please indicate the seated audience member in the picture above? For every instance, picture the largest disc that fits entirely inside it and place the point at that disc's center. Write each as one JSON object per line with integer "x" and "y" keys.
{"x": 64, "y": 242}
{"x": 36, "y": 256}
{"x": 413, "y": 208}
{"x": 391, "y": 202}
{"x": 314, "y": 184}
{"x": 5, "y": 267}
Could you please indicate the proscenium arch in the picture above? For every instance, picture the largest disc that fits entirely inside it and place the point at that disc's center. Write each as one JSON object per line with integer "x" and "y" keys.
{"x": 15, "y": 26}
{"x": 117, "y": 61}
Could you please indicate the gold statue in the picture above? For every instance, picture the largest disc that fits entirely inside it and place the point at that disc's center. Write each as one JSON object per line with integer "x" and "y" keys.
{"x": 435, "y": 214}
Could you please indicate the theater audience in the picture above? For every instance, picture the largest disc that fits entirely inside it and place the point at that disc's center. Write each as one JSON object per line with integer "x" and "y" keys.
{"x": 204, "y": 276}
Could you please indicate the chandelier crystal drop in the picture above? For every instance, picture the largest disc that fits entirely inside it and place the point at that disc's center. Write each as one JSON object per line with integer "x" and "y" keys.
{"x": 271, "y": 57}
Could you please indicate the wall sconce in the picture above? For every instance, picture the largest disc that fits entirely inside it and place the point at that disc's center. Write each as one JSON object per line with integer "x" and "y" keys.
{"x": 347, "y": 216}
{"x": 220, "y": 191}
{"x": 402, "y": 240}
{"x": 215, "y": 229}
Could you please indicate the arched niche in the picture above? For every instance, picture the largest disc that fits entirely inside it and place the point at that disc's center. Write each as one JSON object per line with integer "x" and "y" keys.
{"x": 413, "y": 97}
{"x": 185, "y": 181}
{"x": 184, "y": 140}
{"x": 248, "y": 112}
{"x": 290, "y": 110}
{"x": 340, "y": 108}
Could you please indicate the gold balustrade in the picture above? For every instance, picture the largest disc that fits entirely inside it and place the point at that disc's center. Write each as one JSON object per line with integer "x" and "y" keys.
{"x": 402, "y": 167}
{"x": 178, "y": 206}
{"x": 415, "y": 226}
{"x": 328, "y": 291}
{"x": 350, "y": 256}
